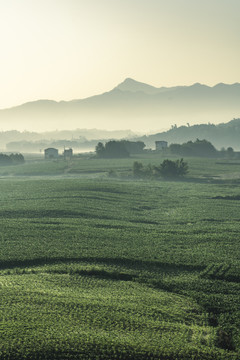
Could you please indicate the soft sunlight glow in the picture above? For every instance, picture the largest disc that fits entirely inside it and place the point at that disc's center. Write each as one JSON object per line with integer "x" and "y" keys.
{"x": 72, "y": 49}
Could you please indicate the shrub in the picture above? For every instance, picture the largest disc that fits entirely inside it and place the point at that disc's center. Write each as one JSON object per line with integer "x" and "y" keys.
{"x": 137, "y": 169}
{"x": 171, "y": 169}
{"x": 168, "y": 169}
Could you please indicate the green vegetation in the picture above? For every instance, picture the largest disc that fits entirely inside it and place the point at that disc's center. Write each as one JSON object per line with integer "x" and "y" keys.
{"x": 133, "y": 147}
{"x": 112, "y": 149}
{"x": 173, "y": 169}
{"x": 207, "y": 169}
{"x": 100, "y": 268}
{"x": 12, "y": 159}
{"x": 119, "y": 149}
{"x": 197, "y": 148}
{"x": 168, "y": 169}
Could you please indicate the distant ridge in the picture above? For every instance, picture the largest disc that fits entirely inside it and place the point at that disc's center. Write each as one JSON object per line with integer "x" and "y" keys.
{"x": 131, "y": 104}
{"x": 135, "y": 86}
{"x": 220, "y": 135}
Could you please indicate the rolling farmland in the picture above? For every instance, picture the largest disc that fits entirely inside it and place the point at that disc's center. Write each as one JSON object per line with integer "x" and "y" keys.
{"x": 99, "y": 268}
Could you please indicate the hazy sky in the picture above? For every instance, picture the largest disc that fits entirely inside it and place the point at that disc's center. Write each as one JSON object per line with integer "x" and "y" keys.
{"x": 68, "y": 49}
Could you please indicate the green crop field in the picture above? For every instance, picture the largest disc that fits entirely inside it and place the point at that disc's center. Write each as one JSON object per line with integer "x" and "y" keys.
{"x": 93, "y": 267}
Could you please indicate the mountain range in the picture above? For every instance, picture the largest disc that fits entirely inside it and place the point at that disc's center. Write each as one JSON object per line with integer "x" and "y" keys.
{"x": 131, "y": 104}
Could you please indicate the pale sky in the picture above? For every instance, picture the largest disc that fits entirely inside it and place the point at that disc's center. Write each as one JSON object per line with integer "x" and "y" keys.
{"x": 72, "y": 49}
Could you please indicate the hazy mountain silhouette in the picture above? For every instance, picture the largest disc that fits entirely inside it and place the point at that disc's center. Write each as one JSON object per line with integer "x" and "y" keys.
{"x": 80, "y": 135}
{"x": 136, "y": 86}
{"x": 131, "y": 104}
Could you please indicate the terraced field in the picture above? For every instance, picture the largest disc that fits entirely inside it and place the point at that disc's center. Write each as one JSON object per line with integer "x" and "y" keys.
{"x": 99, "y": 268}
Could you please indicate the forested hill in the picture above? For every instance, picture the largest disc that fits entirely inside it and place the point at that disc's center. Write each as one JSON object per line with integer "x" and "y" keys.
{"x": 221, "y": 135}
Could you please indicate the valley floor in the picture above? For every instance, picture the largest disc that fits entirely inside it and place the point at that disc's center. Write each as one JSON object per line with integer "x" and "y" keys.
{"x": 98, "y": 268}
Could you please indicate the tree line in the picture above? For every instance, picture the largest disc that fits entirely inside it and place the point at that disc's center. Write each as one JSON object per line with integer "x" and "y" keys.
{"x": 194, "y": 148}
{"x": 12, "y": 159}
{"x": 119, "y": 149}
{"x": 125, "y": 148}
{"x": 201, "y": 148}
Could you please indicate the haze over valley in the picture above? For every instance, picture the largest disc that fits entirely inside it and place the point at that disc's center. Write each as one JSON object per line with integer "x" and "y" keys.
{"x": 130, "y": 105}
{"x": 120, "y": 180}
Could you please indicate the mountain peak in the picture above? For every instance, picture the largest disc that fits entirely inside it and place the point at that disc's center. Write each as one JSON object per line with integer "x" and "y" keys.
{"x": 129, "y": 81}
{"x": 199, "y": 85}
{"x": 132, "y": 85}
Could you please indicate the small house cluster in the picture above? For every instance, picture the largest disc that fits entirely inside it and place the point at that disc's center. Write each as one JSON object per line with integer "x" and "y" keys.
{"x": 52, "y": 153}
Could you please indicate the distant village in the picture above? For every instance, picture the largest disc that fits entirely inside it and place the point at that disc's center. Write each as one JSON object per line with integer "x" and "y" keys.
{"x": 53, "y": 153}
{"x": 126, "y": 148}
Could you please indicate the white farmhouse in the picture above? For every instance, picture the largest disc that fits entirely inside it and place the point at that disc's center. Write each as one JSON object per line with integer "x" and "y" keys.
{"x": 160, "y": 145}
{"x": 51, "y": 153}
